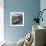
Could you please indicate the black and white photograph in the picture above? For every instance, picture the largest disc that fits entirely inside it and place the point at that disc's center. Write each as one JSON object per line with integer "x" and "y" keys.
{"x": 17, "y": 18}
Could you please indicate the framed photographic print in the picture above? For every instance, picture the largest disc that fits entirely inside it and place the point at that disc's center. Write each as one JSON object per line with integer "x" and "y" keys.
{"x": 16, "y": 18}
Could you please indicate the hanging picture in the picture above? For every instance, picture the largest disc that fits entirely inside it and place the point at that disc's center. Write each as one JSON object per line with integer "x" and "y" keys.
{"x": 16, "y": 18}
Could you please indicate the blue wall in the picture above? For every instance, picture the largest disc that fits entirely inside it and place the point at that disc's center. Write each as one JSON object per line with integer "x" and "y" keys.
{"x": 29, "y": 7}
{"x": 43, "y": 6}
